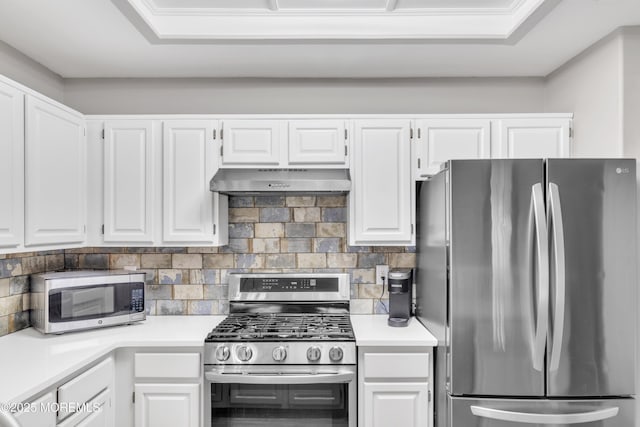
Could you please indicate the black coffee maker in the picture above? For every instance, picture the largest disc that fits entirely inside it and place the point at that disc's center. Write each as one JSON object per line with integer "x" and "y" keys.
{"x": 400, "y": 297}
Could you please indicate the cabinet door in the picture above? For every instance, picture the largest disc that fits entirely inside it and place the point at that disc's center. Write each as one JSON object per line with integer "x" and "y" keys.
{"x": 129, "y": 181}
{"x": 55, "y": 170}
{"x": 317, "y": 142}
{"x": 535, "y": 138}
{"x": 41, "y": 413}
{"x": 382, "y": 200}
{"x": 252, "y": 142}
{"x": 446, "y": 139}
{"x": 167, "y": 405}
{"x": 189, "y": 162}
{"x": 11, "y": 165}
{"x": 396, "y": 404}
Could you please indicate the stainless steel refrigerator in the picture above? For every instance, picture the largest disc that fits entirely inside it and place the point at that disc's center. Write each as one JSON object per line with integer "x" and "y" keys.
{"x": 526, "y": 274}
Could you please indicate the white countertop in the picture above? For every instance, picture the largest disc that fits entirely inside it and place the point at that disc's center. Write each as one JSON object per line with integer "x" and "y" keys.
{"x": 31, "y": 362}
{"x": 372, "y": 330}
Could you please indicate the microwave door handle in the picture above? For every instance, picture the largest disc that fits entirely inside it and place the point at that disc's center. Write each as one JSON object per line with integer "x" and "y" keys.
{"x": 544, "y": 418}
{"x": 557, "y": 228}
{"x": 275, "y": 378}
{"x": 542, "y": 256}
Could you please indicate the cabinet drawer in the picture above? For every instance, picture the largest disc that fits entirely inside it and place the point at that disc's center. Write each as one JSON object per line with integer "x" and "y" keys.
{"x": 396, "y": 365}
{"x": 39, "y": 416}
{"x": 84, "y": 387}
{"x": 167, "y": 365}
{"x": 97, "y": 412}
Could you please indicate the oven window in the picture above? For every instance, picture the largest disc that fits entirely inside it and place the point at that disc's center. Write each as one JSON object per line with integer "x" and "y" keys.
{"x": 308, "y": 405}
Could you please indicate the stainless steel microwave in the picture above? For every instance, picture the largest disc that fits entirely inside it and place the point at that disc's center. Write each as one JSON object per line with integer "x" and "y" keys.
{"x": 76, "y": 300}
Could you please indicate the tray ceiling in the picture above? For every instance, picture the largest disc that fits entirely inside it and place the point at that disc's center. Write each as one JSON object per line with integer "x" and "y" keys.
{"x": 108, "y": 39}
{"x": 335, "y": 19}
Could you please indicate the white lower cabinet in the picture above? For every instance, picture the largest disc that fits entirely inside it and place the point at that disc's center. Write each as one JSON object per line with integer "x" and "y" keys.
{"x": 77, "y": 397}
{"x": 396, "y": 404}
{"x": 167, "y": 389}
{"x": 39, "y": 412}
{"x": 96, "y": 413}
{"x": 167, "y": 405}
{"x": 86, "y": 400}
{"x": 395, "y": 387}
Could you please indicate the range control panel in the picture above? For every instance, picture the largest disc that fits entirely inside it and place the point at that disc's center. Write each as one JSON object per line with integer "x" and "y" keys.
{"x": 288, "y": 284}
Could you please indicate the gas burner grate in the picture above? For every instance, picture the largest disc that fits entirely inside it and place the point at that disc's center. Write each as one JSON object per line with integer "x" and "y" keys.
{"x": 282, "y": 327}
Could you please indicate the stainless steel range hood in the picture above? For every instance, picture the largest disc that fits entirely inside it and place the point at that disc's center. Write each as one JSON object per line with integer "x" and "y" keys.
{"x": 290, "y": 181}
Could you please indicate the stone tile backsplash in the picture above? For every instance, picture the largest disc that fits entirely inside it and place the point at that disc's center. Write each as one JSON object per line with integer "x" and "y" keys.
{"x": 14, "y": 285}
{"x": 266, "y": 234}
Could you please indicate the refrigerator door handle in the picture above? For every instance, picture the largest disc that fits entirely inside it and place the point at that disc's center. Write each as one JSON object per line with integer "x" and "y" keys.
{"x": 544, "y": 418}
{"x": 542, "y": 255}
{"x": 556, "y": 225}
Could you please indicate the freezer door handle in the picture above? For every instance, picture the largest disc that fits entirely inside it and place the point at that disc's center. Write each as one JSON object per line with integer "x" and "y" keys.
{"x": 542, "y": 256}
{"x": 555, "y": 223}
{"x": 544, "y": 418}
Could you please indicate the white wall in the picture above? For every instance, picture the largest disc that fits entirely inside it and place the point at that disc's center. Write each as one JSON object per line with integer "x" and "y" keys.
{"x": 433, "y": 95}
{"x": 590, "y": 86}
{"x": 30, "y": 73}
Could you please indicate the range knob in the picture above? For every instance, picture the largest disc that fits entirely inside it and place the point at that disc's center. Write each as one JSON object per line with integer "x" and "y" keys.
{"x": 244, "y": 353}
{"x": 222, "y": 353}
{"x": 279, "y": 354}
{"x": 336, "y": 354}
{"x": 313, "y": 353}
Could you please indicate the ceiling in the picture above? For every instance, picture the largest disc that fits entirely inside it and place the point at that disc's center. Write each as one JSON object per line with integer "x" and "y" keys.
{"x": 111, "y": 38}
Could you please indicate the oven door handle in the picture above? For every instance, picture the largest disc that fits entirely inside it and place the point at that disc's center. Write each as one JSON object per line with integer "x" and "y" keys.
{"x": 279, "y": 378}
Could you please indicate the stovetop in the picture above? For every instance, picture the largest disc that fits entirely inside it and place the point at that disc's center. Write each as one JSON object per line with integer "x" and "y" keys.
{"x": 291, "y": 319}
{"x": 283, "y": 327}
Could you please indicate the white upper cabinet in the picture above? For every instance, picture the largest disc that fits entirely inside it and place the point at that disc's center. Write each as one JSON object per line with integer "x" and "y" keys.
{"x": 313, "y": 142}
{"x": 440, "y": 140}
{"x": 534, "y": 138}
{"x": 129, "y": 181}
{"x": 382, "y": 199}
{"x": 458, "y": 137}
{"x": 55, "y": 168}
{"x": 11, "y": 165}
{"x": 252, "y": 142}
{"x": 189, "y": 162}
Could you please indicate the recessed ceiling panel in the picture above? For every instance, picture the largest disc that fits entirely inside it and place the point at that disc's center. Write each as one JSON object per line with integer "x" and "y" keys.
{"x": 335, "y": 19}
{"x": 320, "y": 5}
{"x": 209, "y": 4}
{"x": 435, "y": 5}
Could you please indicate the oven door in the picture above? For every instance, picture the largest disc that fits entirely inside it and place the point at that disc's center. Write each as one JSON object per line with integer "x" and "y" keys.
{"x": 282, "y": 396}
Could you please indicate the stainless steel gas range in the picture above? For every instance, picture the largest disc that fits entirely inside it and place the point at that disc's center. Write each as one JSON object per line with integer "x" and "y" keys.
{"x": 285, "y": 355}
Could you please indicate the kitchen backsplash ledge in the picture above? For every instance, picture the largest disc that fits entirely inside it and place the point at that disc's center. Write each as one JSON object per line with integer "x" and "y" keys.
{"x": 266, "y": 234}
